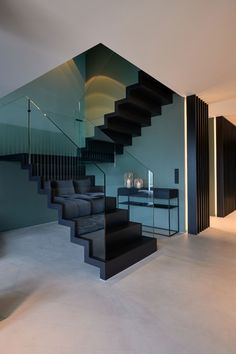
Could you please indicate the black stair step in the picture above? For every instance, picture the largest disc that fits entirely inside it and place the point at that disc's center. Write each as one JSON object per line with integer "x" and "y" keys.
{"x": 122, "y": 126}
{"x": 110, "y": 204}
{"x": 119, "y": 138}
{"x": 143, "y": 245}
{"x": 87, "y": 155}
{"x": 14, "y": 157}
{"x": 129, "y": 117}
{"x": 117, "y": 217}
{"x": 132, "y": 112}
{"x": 56, "y": 164}
{"x": 50, "y": 174}
{"x": 164, "y": 94}
{"x": 99, "y": 146}
{"x": 145, "y": 98}
{"x": 121, "y": 234}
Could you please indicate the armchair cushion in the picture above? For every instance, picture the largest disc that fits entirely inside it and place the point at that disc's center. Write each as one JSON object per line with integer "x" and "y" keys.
{"x": 82, "y": 185}
{"x": 64, "y": 187}
{"x": 76, "y": 208}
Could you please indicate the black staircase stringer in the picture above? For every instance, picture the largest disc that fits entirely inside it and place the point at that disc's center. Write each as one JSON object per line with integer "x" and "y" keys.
{"x": 87, "y": 244}
{"x": 117, "y": 259}
{"x": 107, "y": 268}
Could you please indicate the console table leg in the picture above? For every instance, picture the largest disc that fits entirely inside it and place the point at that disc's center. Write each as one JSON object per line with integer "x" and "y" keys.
{"x": 169, "y": 216}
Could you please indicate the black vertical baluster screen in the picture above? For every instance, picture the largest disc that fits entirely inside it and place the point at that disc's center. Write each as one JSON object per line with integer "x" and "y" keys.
{"x": 226, "y": 166}
{"x": 198, "y": 165}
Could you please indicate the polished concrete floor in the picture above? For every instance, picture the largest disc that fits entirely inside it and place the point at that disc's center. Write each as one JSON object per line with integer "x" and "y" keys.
{"x": 180, "y": 300}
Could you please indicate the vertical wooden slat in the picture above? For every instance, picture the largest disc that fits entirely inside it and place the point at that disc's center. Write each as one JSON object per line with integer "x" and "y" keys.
{"x": 226, "y": 166}
{"x": 198, "y": 165}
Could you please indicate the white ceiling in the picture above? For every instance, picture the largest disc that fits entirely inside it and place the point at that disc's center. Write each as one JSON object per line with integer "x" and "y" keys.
{"x": 189, "y": 45}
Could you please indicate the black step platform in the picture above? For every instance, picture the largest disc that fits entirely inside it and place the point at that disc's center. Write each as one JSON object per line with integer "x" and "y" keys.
{"x": 121, "y": 258}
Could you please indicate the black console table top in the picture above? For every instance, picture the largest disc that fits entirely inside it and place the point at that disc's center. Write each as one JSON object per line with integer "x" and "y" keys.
{"x": 158, "y": 193}
{"x": 154, "y": 194}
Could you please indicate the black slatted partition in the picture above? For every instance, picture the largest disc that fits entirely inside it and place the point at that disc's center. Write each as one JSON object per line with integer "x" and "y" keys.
{"x": 226, "y": 166}
{"x": 198, "y": 165}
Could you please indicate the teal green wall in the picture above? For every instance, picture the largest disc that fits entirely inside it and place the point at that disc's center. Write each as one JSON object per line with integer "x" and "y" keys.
{"x": 20, "y": 203}
{"x": 84, "y": 87}
{"x": 161, "y": 146}
{"x": 59, "y": 93}
{"x": 101, "y": 60}
{"x": 14, "y": 139}
{"x": 96, "y": 80}
{"x": 160, "y": 149}
{"x": 107, "y": 75}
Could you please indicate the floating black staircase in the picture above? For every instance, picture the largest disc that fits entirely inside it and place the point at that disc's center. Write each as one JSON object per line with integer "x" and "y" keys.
{"x": 124, "y": 242}
{"x": 143, "y": 100}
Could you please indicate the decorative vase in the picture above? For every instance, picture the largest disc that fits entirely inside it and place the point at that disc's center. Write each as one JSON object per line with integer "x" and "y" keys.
{"x": 129, "y": 179}
{"x": 138, "y": 183}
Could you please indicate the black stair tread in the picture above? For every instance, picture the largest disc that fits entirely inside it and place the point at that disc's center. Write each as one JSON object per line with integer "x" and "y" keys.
{"x": 40, "y": 158}
{"x": 116, "y": 217}
{"x": 100, "y": 146}
{"x": 86, "y": 152}
{"x": 12, "y": 157}
{"x": 146, "y": 105}
{"x": 99, "y": 142}
{"x": 139, "y": 119}
{"x": 119, "y": 138}
{"x": 157, "y": 97}
{"x": 113, "y": 211}
{"x": 117, "y": 228}
{"x": 122, "y": 249}
{"x": 51, "y": 156}
{"x": 93, "y": 139}
{"x": 132, "y": 106}
{"x": 122, "y": 126}
{"x": 147, "y": 98}
{"x": 151, "y": 84}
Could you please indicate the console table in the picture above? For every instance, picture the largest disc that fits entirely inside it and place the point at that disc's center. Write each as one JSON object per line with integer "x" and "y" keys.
{"x": 159, "y": 198}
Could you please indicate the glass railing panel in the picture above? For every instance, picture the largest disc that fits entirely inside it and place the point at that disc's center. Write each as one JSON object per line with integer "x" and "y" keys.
{"x": 14, "y": 127}
{"x": 81, "y": 90}
{"x": 76, "y": 130}
{"x": 77, "y": 185}
{"x": 130, "y": 182}
{"x": 46, "y": 137}
{"x": 72, "y": 125}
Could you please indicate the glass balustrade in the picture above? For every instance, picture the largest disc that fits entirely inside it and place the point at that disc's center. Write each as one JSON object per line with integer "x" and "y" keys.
{"x": 60, "y": 133}
{"x": 30, "y": 136}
